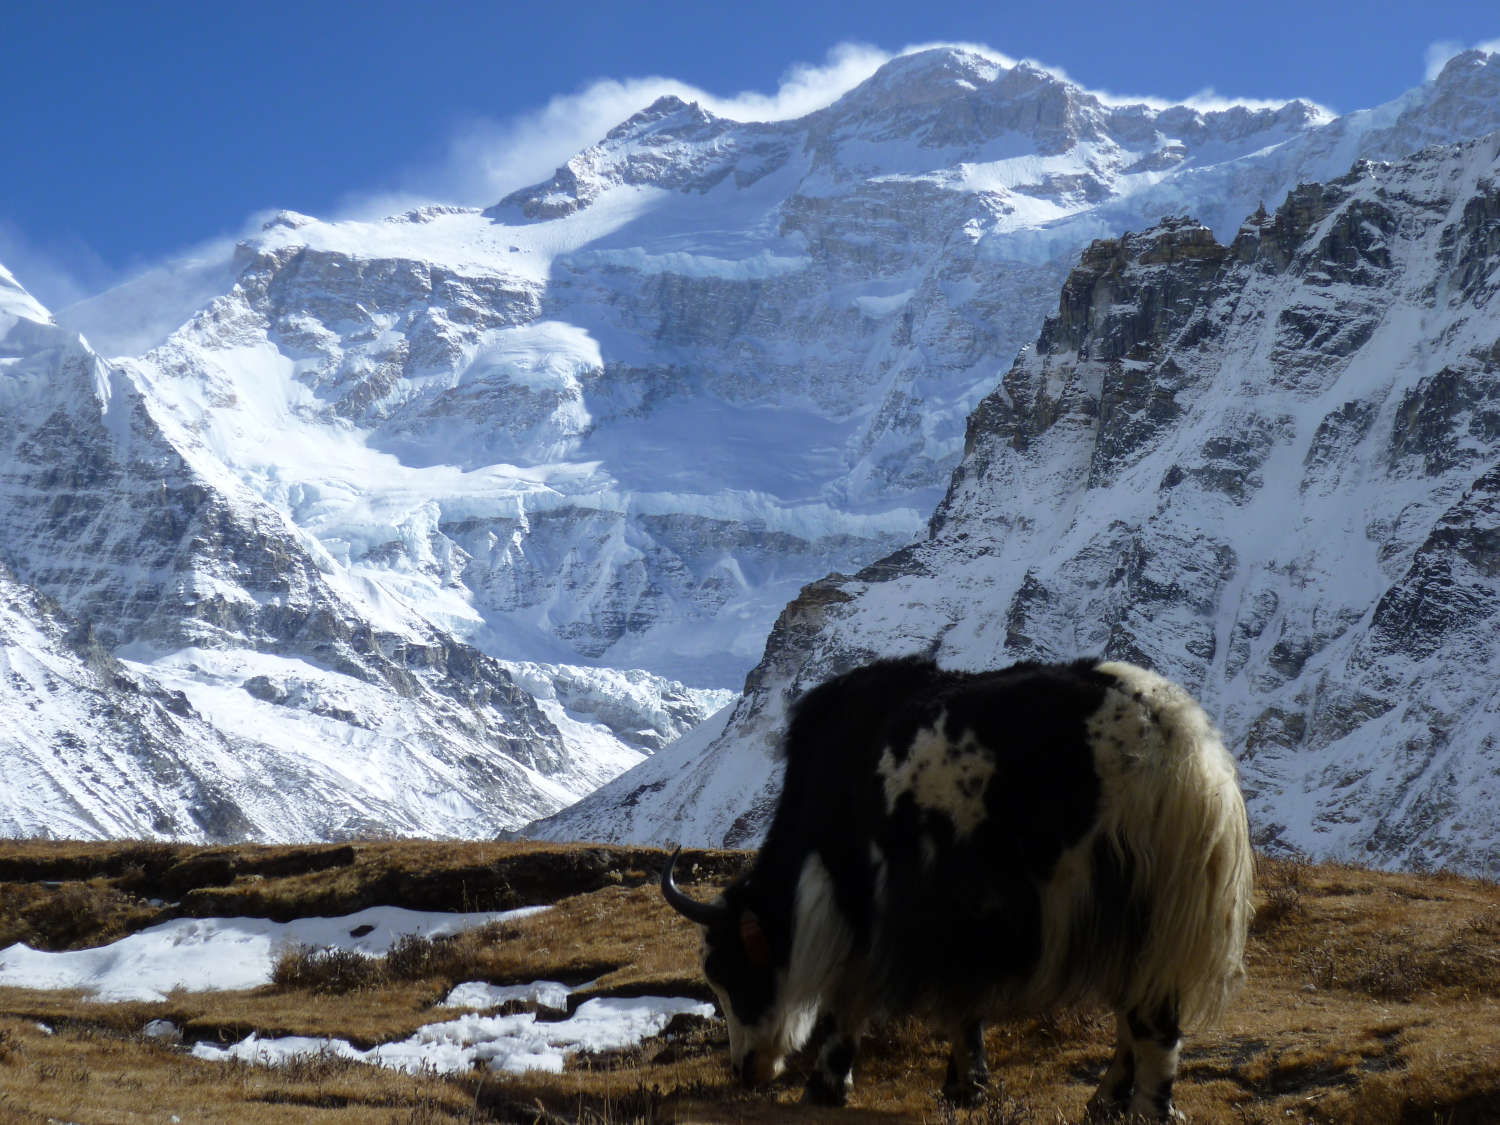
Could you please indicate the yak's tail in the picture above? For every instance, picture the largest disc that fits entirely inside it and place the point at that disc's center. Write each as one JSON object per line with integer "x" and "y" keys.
{"x": 1158, "y": 903}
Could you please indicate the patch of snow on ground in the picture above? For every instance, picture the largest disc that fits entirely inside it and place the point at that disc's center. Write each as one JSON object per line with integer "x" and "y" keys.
{"x": 512, "y": 1043}
{"x": 204, "y": 954}
{"x": 201, "y": 954}
{"x": 482, "y": 996}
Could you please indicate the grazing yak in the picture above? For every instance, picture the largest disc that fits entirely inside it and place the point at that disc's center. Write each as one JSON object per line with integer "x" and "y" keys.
{"x": 967, "y": 845}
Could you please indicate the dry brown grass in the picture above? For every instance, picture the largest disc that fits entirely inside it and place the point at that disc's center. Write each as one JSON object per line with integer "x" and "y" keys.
{"x": 1373, "y": 997}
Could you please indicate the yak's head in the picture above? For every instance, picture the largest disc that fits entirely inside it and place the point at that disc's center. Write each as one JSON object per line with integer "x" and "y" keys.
{"x": 737, "y": 960}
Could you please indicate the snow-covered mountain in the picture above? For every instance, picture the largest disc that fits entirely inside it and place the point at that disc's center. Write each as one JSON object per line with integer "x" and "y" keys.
{"x": 182, "y": 660}
{"x": 576, "y": 451}
{"x": 620, "y": 418}
{"x": 1269, "y": 468}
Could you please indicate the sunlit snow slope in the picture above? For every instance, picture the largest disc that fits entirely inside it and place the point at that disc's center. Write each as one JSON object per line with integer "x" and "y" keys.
{"x": 180, "y": 659}
{"x": 620, "y": 418}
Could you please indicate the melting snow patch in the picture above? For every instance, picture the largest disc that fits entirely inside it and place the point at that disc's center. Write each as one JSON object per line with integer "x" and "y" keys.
{"x": 198, "y": 954}
{"x": 512, "y": 1043}
{"x": 204, "y": 954}
{"x": 478, "y": 994}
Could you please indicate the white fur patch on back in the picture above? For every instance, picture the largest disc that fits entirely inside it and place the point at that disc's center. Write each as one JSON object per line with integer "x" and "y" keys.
{"x": 943, "y": 777}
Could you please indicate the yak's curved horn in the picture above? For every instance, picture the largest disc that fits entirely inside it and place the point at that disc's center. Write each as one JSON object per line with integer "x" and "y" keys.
{"x": 704, "y": 913}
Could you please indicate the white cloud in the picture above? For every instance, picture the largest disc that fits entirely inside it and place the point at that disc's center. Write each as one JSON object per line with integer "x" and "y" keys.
{"x": 805, "y": 87}
{"x": 56, "y": 273}
{"x": 1437, "y": 54}
{"x": 64, "y": 270}
{"x": 489, "y": 158}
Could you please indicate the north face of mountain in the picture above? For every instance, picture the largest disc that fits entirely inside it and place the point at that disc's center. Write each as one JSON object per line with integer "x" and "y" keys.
{"x": 621, "y": 417}
{"x": 495, "y": 503}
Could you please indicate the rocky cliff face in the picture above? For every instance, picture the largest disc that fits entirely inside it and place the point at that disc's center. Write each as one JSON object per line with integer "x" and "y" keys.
{"x": 1266, "y": 467}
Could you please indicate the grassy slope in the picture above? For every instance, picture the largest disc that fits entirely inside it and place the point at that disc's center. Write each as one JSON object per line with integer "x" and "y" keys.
{"x": 1373, "y": 997}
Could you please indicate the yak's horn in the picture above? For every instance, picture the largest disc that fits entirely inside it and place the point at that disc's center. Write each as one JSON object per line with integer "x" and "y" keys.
{"x": 704, "y": 913}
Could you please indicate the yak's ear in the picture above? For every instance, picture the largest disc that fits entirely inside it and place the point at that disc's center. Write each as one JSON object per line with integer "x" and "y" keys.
{"x": 753, "y": 938}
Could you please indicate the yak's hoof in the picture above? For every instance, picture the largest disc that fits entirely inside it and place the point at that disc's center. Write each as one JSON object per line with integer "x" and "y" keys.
{"x": 967, "y": 1093}
{"x": 821, "y": 1091}
{"x": 1101, "y": 1110}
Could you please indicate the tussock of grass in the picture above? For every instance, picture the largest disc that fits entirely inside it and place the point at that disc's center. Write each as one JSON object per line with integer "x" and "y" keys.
{"x": 1280, "y": 881}
{"x": 1372, "y": 997}
{"x": 326, "y": 972}
{"x": 69, "y": 915}
{"x": 446, "y": 959}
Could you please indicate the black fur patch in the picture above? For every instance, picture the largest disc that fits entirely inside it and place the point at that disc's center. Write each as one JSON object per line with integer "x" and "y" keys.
{"x": 958, "y": 910}
{"x": 1157, "y": 1026}
{"x": 750, "y": 986}
{"x": 838, "y": 1059}
{"x": 1161, "y": 1099}
{"x": 1120, "y": 917}
{"x": 1119, "y": 1091}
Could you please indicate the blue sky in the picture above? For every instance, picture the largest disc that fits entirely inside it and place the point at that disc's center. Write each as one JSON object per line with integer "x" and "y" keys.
{"x": 133, "y": 132}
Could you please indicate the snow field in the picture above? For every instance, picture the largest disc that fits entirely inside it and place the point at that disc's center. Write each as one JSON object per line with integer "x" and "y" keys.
{"x": 209, "y": 954}
{"x": 513, "y": 1043}
{"x": 204, "y": 954}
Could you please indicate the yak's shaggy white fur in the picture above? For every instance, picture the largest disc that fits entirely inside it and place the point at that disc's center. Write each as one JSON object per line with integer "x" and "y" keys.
{"x": 1170, "y": 796}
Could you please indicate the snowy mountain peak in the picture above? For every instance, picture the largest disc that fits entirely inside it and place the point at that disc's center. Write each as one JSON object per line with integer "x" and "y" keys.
{"x": 17, "y": 304}
{"x": 947, "y": 97}
{"x": 1468, "y": 66}
{"x": 1466, "y": 87}
{"x": 288, "y": 220}
{"x": 935, "y": 74}
{"x": 671, "y": 144}
{"x": 42, "y": 362}
{"x": 668, "y": 115}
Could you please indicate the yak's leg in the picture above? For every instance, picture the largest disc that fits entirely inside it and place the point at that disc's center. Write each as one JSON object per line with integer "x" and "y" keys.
{"x": 830, "y": 1082}
{"x": 968, "y": 1072}
{"x": 1156, "y": 1040}
{"x": 1110, "y": 1098}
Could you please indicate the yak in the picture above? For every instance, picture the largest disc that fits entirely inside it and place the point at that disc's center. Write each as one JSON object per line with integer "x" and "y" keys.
{"x": 963, "y": 846}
